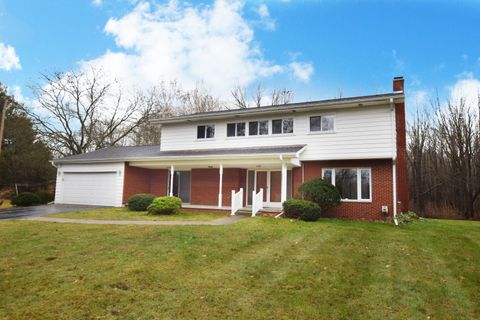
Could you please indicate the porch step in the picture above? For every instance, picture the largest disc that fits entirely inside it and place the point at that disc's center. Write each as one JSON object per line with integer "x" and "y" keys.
{"x": 244, "y": 212}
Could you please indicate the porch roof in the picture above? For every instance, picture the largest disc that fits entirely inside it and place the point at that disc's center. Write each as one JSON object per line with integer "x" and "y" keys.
{"x": 152, "y": 152}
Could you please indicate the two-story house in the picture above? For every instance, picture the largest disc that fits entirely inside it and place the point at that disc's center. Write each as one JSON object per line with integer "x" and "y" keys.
{"x": 258, "y": 156}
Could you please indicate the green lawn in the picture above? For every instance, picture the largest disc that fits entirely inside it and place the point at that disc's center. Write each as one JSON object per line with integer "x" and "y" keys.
{"x": 124, "y": 214}
{"x": 259, "y": 268}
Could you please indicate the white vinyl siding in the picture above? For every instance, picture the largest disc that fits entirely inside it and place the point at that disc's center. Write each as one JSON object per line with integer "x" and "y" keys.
{"x": 360, "y": 133}
{"x": 91, "y": 184}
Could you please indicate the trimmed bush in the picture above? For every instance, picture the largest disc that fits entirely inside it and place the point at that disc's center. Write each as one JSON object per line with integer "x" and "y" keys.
{"x": 301, "y": 209}
{"x": 26, "y": 199}
{"x": 140, "y": 202}
{"x": 165, "y": 205}
{"x": 407, "y": 217}
{"x": 321, "y": 192}
{"x": 45, "y": 196}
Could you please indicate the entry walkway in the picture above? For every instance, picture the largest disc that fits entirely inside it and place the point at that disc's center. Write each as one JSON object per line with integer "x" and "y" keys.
{"x": 217, "y": 222}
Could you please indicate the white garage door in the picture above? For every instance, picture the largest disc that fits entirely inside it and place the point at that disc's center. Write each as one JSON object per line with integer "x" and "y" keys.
{"x": 97, "y": 188}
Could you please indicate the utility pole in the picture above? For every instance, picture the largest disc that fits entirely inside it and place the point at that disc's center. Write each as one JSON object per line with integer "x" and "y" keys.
{"x": 6, "y": 105}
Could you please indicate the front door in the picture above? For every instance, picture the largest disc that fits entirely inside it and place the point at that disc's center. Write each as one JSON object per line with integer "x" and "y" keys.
{"x": 181, "y": 185}
{"x": 270, "y": 182}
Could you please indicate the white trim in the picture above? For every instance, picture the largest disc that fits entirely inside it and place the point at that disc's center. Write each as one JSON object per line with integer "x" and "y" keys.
{"x": 283, "y": 190}
{"x": 359, "y": 182}
{"x": 394, "y": 182}
{"x": 172, "y": 171}
{"x": 220, "y": 185}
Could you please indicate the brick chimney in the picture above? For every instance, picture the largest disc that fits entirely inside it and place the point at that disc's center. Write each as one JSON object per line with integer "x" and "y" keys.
{"x": 398, "y": 84}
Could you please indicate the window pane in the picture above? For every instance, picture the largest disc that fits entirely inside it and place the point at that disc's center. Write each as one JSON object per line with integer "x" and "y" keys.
{"x": 276, "y": 126}
{"x": 315, "y": 123}
{"x": 200, "y": 132}
{"x": 210, "y": 131}
{"x": 327, "y": 123}
{"x": 346, "y": 183}
{"x": 327, "y": 175}
{"x": 231, "y": 130}
{"x": 240, "y": 129}
{"x": 365, "y": 184}
{"x": 288, "y": 125}
{"x": 263, "y": 127}
{"x": 253, "y": 128}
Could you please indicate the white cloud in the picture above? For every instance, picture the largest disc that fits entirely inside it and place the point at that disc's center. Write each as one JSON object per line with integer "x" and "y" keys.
{"x": 8, "y": 58}
{"x": 97, "y": 3}
{"x": 266, "y": 20}
{"x": 213, "y": 45}
{"x": 301, "y": 70}
{"x": 466, "y": 88}
{"x": 419, "y": 98}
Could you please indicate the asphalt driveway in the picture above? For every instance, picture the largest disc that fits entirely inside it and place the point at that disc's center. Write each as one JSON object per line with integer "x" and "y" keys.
{"x": 35, "y": 211}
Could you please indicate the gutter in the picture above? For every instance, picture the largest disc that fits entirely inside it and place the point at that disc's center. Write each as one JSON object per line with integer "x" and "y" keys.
{"x": 394, "y": 160}
{"x": 293, "y": 107}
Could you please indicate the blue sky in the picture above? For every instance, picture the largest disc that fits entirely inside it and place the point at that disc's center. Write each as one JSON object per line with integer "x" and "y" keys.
{"x": 316, "y": 48}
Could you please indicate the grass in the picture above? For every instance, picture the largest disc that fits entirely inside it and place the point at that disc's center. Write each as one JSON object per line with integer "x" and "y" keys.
{"x": 259, "y": 268}
{"x": 124, "y": 214}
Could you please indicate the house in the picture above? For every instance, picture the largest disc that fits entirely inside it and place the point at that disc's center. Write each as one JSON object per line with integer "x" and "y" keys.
{"x": 256, "y": 158}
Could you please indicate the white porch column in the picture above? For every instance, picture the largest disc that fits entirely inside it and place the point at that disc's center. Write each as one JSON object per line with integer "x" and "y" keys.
{"x": 283, "y": 196}
{"x": 172, "y": 171}
{"x": 220, "y": 170}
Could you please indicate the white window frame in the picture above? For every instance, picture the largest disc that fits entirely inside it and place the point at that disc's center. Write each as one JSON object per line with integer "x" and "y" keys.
{"x": 236, "y": 124}
{"x": 359, "y": 182}
{"x": 205, "y": 136}
{"x": 258, "y": 128}
{"x": 283, "y": 133}
{"x": 321, "y": 131}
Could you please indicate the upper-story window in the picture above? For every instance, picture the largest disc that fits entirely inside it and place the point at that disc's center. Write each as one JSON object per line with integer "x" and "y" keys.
{"x": 282, "y": 126}
{"x": 256, "y": 128}
{"x": 352, "y": 183}
{"x": 236, "y": 129}
{"x": 322, "y": 123}
{"x": 206, "y": 131}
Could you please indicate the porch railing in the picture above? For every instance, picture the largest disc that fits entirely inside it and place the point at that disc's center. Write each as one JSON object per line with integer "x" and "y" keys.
{"x": 237, "y": 201}
{"x": 257, "y": 202}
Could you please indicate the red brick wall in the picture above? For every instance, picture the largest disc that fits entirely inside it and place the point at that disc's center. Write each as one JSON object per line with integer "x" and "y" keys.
{"x": 233, "y": 179}
{"x": 140, "y": 180}
{"x": 204, "y": 187}
{"x": 158, "y": 182}
{"x": 402, "y": 170}
{"x": 296, "y": 179}
{"x": 381, "y": 188}
{"x": 136, "y": 180}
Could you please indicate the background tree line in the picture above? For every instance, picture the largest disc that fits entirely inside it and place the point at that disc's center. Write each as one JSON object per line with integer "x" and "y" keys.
{"x": 444, "y": 160}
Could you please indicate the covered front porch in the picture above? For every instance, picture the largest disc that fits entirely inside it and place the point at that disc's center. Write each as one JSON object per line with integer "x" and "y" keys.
{"x": 233, "y": 183}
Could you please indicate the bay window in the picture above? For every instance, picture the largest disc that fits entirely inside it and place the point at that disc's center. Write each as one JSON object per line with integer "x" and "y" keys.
{"x": 352, "y": 183}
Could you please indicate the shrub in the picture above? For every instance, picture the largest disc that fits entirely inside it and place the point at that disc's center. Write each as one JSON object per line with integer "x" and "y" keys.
{"x": 301, "y": 209}
{"x": 321, "y": 192}
{"x": 407, "y": 217}
{"x": 45, "y": 196}
{"x": 26, "y": 199}
{"x": 140, "y": 202}
{"x": 165, "y": 205}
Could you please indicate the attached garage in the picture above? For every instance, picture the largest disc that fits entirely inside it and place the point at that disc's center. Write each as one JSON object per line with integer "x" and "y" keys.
{"x": 90, "y": 184}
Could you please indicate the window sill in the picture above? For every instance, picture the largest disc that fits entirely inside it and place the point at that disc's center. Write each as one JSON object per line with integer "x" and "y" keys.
{"x": 206, "y": 139}
{"x": 282, "y": 134}
{"x": 321, "y": 132}
{"x": 356, "y": 201}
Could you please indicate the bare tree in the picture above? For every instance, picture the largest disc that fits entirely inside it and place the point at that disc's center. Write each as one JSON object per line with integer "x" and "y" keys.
{"x": 278, "y": 97}
{"x": 239, "y": 100}
{"x": 444, "y": 160}
{"x": 83, "y": 111}
{"x": 281, "y": 96}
